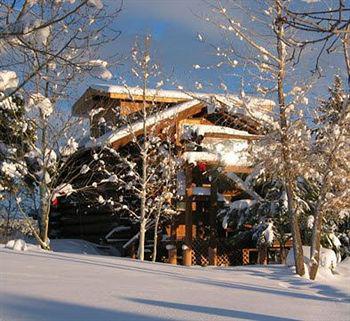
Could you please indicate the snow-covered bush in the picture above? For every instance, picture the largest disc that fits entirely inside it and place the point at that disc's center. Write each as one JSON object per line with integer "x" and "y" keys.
{"x": 16, "y": 228}
{"x": 328, "y": 258}
{"x": 16, "y": 245}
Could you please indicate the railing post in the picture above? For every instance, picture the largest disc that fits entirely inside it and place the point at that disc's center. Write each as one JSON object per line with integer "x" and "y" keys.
{"x": 212, "y": 251}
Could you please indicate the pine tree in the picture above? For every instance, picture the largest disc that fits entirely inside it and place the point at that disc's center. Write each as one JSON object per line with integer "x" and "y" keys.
{"x": 330, "y": 164}
{"x": 268, "y": 218}
{"x": 17, "y": 136}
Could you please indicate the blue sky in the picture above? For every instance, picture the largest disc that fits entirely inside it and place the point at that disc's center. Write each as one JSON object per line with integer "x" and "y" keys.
{"x": 174, "y": 25}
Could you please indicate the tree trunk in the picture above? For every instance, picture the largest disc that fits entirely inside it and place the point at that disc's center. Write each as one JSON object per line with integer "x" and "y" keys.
{"x": 141, "y": 250}
{"x": 132, "y": 251}
{"x": 317, "y": 227}
{"x": 318, "y": 218}
{"x": 144, "y": 156}
{"x": 34, "y": 231}
{"x": 315, "y": 246}
{"x": 346, "y": 48}
{"x": 44, "y": 217}
{"x": 7, "y": 228}
{"x": 297, "y": 244}
{"x": 155, "y": 237}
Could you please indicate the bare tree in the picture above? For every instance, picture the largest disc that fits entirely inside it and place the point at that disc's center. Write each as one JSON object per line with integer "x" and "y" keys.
{"x": 329, "y": 27}
{"x": 168, "y": 190}
{"x": 50, "y": 46}
{"x": 145, "y": 180}
{"x": 258, "y": 41}
{"x": 55, "y": 38}
{"x": 272, "y": 41}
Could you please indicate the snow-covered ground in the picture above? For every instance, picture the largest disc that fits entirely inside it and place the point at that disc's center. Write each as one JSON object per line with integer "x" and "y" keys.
{"x": 37, "y": 285}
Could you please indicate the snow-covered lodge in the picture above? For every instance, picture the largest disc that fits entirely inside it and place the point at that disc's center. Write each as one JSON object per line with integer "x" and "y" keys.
{"x": 211, "y": 131}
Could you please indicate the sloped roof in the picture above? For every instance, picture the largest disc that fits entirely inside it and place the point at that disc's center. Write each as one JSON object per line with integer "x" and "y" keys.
{"x": 127, "y": 133}
{"x": 258, "y": 109}
{"x": 182, "y": 104}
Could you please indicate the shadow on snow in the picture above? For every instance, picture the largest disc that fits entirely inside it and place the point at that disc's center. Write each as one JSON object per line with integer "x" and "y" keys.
{"x": 211, "y": 310}
{"x": 326, "y": 293}
{"x": 28, "y": 308}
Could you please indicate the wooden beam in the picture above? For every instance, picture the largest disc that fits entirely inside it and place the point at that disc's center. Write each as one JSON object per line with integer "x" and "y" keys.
{"x": 130, "y": 107}
{"x": 238, "y": 169}
{"x": 232, "y": 136}
{"x": 152, "y": 98}
{"x": 230, "y": 168}
{"x": 196, "y": 121}
{"x": 87, "y": 101}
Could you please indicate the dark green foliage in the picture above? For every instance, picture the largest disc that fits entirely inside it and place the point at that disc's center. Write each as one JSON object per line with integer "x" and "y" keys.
{"x": 17, "y": 136}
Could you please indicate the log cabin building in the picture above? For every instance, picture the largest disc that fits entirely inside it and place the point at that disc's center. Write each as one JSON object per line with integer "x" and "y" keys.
{"x": 212, "y": 132}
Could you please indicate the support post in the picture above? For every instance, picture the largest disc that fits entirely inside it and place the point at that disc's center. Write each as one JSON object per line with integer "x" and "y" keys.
{"x": 212, "y": 251}
{"x": 262, "y": 254}
{"x": 132, "y": 251}
{"x": 172, "y": 252}
{"x": 187, "y": 249}
{"x": 282, "y": 255}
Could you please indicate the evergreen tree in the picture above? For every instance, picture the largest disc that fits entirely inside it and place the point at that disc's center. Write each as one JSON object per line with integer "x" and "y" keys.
{"x": 268, "y": 218}
{"x": 17, "y": 136}
{"x": 330, "y": 163}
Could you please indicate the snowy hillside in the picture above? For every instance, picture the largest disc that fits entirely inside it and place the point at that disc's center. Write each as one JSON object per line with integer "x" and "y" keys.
{"x": 66, "y": 286}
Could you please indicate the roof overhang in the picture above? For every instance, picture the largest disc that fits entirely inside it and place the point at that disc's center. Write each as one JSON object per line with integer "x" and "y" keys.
{"x": 87, "y": 101}
{"x": 95, "y": 93}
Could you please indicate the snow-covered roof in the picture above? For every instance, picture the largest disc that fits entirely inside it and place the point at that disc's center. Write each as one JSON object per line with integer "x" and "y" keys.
{"x": 229, "y": 99}
{"x": 203, "y": 129}
{"x": 255, "y": 106}
{"x": 132, "y": 129}
{"x": 195, "y": 157}
{"x": 228, "y": 153}
{"x": 252, "y": 107}
{"x": 137, "y": 91}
